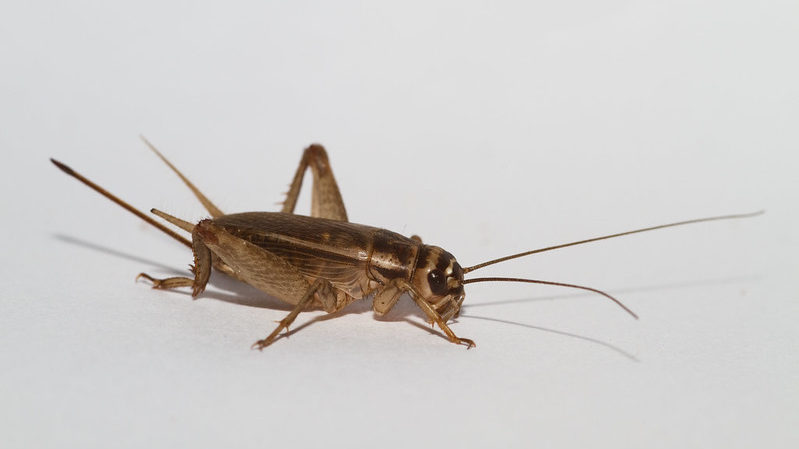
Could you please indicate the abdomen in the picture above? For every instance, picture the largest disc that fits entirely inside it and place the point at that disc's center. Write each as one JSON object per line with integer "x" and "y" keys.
{"x": 337, "y": 251}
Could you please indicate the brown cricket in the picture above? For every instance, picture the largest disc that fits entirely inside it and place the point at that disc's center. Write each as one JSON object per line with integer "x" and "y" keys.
{"x": 324, "y": 261}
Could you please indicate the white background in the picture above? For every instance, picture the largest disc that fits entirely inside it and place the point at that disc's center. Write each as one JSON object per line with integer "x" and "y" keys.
{"x": 487, "y": 128}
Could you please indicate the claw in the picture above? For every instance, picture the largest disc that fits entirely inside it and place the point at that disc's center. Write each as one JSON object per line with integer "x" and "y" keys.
{"x": 196, "y": 292}
{"x": 465, "y": 341}
{"x": 156, "y": 282}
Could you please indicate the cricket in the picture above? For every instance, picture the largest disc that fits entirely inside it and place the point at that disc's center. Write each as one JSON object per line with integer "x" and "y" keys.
{"x": 323, "y": 261}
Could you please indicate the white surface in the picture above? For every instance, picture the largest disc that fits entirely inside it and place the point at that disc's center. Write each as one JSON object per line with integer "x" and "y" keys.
{"x": 486, "y": 128}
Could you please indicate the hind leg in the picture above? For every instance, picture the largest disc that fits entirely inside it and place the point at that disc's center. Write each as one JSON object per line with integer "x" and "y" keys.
{"x": 202, "y": 270}
{"x": 326, "y": 201}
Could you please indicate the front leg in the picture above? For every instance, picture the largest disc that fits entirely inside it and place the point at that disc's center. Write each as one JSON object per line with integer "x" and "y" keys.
{"x": 306, "y": 300}
{"x": 326, "y": 201}
{"x": 387, "y": 297}
{"x": 436, "y": 318}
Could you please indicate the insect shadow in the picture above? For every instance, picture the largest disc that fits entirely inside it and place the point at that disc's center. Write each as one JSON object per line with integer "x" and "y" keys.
{"x": 243, "y": 294}
{"x": 596, "y": 341}
{"x": 621, "y": 291}
{"x": 238, "y": 292}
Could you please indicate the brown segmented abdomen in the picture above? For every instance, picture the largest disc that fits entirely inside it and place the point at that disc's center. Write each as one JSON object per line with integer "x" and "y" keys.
{"x": 355, "y": 258}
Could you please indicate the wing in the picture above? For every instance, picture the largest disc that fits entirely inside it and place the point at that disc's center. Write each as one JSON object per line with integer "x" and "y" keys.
{"x": 320, "y": 248}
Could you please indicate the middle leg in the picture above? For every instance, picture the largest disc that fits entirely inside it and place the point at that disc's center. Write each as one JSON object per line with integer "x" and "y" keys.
{"x": 306, "y": 301}
{"x": 272, "y": 274}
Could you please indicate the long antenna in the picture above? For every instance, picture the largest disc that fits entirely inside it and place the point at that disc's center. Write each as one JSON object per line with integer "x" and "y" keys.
{"x": 651, "y": 228}
{"x": 66, "y": 169}
{"x": 559, "y": 284}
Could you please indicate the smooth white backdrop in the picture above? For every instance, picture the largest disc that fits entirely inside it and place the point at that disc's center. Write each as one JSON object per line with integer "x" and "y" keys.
{"x": 485, "y": 127}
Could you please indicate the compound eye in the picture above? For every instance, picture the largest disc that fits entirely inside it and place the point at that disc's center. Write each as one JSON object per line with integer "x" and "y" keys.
{"x": 437, "y": 282}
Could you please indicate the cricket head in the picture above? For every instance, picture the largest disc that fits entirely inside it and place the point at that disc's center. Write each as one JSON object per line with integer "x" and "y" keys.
{"x": 438, "y": 280}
